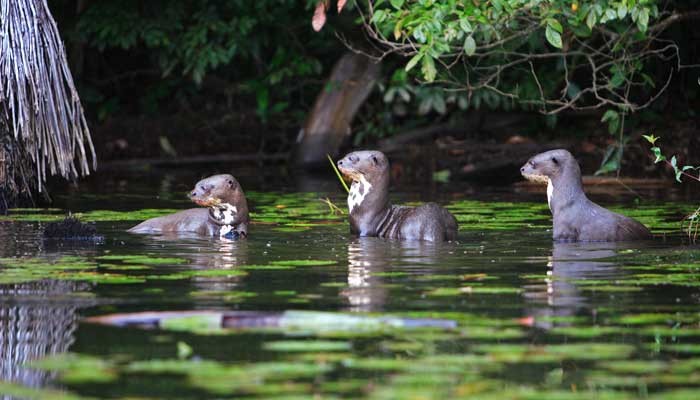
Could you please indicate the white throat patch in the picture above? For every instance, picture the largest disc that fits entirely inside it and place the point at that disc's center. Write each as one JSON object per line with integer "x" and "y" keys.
{"x": 358, "y": 192}
{"x": 225, "y": 230}
{"x": 225, "y": 213}
{"x": 550, "y": 192}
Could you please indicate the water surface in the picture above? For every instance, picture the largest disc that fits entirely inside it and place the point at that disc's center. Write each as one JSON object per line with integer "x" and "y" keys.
{"x": 530, "y": 319}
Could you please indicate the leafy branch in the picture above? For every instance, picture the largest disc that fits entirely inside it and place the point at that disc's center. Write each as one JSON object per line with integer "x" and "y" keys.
{"x": 680, "y": 171}
{"x": 551, "y": 55}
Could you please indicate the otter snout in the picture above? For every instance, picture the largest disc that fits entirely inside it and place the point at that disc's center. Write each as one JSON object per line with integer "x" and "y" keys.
{"x": 346, "y": 166}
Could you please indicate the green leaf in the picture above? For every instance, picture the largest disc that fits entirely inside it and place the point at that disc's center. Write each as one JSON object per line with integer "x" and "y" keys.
{"x": 397, "y": 4}
{"x": 610, "y": 115}
{"x": 622, "y": 10}
{"x": 378, "y": 17}
{"x": 465, "y": 25}
{"x": 674, "y": 162}
{"x": 428, "y": 68}
{"x": 555, "y": 25}
{"x": 678, "y": 176}
{"x": 687, "y": 167}
{"x": 648, "y": 80}
{"x": 643, "y": 20}
{"x": 183, "y": 350}
{"x": 553, "y": 37}
{"x": 470, "y": 45}
{"x": 413, "y": 61}
{"x": 617, "y": 79}
{"x": 611, "y": 160}
{"x": 651, "y": 138}
{"x": 591, "y": 19}
{"x": 657, "y": 152}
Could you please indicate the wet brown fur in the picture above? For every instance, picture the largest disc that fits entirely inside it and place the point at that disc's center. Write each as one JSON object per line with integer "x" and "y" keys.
{"x": 375, "y": 216}
{"x": 210, "y": 192}
{"x": 575, "y": 217}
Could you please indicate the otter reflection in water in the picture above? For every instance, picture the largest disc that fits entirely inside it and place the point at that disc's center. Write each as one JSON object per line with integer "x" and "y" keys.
{"x": 562, "y": 293}
{"x": 370, "y": 256}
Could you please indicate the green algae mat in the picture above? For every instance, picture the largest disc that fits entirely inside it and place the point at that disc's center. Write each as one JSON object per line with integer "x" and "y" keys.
{"x": 302, "y": 310}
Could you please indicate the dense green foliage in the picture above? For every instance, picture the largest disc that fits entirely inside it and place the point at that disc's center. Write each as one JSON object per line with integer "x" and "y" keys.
{"x": 263, "y": 59}
{"x": 615, "y": 56}
{"x": 246, "y": 48}
{"x": 549, "y": 54}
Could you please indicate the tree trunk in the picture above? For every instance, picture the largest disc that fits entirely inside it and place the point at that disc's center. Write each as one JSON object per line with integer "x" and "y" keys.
{"x": 328, "y": 124}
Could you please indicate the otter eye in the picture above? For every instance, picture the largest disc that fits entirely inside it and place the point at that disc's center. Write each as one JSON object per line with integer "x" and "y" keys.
{"x": 554, "y": 160}
{"x": 532, "y": 164}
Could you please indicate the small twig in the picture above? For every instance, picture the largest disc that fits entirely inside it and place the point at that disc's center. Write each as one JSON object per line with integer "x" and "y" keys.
{"x": 333, "y": 208}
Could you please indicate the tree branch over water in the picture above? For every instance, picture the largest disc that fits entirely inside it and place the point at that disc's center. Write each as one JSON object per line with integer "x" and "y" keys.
{"x": 548, "y": 55}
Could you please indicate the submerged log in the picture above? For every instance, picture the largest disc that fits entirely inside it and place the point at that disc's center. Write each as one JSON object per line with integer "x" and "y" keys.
{"x": 285, "y": 321}
{"x": 328, "y": 124}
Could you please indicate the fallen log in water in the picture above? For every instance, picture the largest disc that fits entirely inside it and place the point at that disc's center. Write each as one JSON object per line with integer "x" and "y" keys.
{"x": 286, "y": 321}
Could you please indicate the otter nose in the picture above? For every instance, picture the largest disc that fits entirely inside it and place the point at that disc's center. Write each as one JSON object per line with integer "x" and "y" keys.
{"x": 192, "y": 193}
{"x": 340, "y": 163}
{"x": 522, "y": 169}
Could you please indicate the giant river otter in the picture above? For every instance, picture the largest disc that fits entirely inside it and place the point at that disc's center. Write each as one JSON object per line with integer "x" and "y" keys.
{"x": 575, "y": 217}
{"x": 370, "y": 211}
{"x": 226, "y": 214}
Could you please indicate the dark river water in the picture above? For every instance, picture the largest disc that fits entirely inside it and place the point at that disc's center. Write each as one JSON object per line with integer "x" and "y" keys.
{"x": 304, "y": 310}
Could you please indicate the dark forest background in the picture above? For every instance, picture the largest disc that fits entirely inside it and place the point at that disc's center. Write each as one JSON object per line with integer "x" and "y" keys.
{"x": 176, "y": 78}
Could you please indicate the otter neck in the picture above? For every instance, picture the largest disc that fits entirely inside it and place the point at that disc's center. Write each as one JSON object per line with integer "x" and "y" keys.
{"x": 231, "y": 210}
{"x": 368, "y": 200}
{"x": 565, "y": 189}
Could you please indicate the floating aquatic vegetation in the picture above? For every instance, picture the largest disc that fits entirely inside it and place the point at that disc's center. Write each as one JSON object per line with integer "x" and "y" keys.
{"x": 589, "y": 332}
{"x": 75, "y": 368}
{"x": 516, "y": 353}
{"x": 21, "y": 270}
{"x": 304, "y": 263}
{"x": 307, "y": 346}
{"x": 474, "y": 290}
{"x": 145, "y": 259}
{"x": 486, "y": 318}
{"x": 14, "y": 390}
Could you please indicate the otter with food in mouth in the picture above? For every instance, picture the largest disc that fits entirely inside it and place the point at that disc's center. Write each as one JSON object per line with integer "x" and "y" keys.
{"x": 225, "y": 215}
{"x": 371, "y": 214}
{"x": 577, "y": 219}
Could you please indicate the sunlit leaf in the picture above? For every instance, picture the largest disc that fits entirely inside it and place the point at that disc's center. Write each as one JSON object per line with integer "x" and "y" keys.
{"x": 413, "y": 61}
{"x": 469, "y": 45}
{"x": 428, "y": 68}
{"x": 553, "y": 37}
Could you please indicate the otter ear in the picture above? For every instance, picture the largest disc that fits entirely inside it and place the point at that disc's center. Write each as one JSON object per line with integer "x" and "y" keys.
{"x": 375, "y": 160}
{"x": 230, "y": 183}
{"x": 555, "y": 161}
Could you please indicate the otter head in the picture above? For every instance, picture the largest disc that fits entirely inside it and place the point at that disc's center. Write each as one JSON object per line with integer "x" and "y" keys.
{"x": 557, "y": 168}
{"x": 216, "y": 190}
{"x": 548, "y": 165}
{"x": 369, "y": 172}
